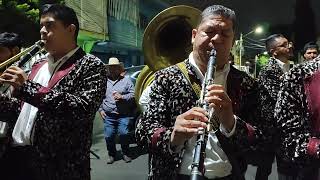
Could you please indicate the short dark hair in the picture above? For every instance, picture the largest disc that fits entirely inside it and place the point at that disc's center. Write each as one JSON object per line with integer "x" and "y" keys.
{"x": 10, "y": 40}
{"x": 271, "y": 40}
{"x": 219, "y": 10}
{"x": 63, "y": 13}
{"x": 310, "y": 45}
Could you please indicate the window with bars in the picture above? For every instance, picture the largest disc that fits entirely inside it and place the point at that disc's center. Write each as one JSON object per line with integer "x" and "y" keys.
{"x": 92, "y": 14}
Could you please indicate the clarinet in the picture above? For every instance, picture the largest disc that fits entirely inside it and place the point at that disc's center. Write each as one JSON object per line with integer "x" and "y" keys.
{"x": 35, "y": 49}
{"x": 197, "y": 167}
{"x": 15, "y": 61}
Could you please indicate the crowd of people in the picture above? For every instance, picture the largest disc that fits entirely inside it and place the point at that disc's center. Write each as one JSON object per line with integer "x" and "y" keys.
{"x": 47, "y": 112}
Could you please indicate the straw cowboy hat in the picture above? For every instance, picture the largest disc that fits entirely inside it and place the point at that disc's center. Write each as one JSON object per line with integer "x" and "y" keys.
{"x": 113, "y": 61}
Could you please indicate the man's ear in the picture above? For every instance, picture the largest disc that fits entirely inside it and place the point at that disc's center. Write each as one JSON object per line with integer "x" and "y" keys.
{"x": 72, "y": 28}
{"x": 304, "y": 55}
{"x": 273, "y": 52}
{"x": 193, "y": 35}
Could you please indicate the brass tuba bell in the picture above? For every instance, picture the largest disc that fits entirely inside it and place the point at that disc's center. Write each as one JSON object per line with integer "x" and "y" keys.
{"x": 166, "y": 41}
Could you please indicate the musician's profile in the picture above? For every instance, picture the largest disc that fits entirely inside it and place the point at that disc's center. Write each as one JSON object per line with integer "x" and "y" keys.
{"x": 52, "y": 108}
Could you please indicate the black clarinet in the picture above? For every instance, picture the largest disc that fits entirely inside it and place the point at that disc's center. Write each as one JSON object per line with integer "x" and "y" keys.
{"x": 15, "y": 61}
{"x": 35, "y": 49}
{"x": 197, "y": 167}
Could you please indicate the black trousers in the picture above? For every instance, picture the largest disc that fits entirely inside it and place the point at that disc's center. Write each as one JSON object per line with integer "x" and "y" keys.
{"x": 263, "y": 161}
{"x": 307, "y": 173}
{"x": 16, "y": 164}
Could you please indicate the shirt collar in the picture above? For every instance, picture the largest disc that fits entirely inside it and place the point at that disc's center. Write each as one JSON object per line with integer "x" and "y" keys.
{"x": 64, "y": 58}
{"x": 284, "y": 66}
{"x": 54, "y": 65}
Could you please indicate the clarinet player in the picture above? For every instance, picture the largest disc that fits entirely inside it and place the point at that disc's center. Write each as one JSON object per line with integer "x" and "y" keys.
{"x": 169, "y": 126}
{"x": 53, "y": 108}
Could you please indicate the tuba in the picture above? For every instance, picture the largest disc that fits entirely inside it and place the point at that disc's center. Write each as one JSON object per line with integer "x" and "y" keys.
{"x": 166, "y": 41}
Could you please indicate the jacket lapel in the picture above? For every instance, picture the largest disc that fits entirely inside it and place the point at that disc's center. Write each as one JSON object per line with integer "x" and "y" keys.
{"x": 35, "y": 69}
{"x": 233, "y": 88}
{"x": 65, "y": 68}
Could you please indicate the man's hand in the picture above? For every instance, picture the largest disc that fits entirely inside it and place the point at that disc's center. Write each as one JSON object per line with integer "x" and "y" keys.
{"x": 187, "y": 124}
{"x": 117, "y": 96}
{"x": 222, "y": 104}
{"x": 14, "y": 76}
{"x": 103, "y": 114}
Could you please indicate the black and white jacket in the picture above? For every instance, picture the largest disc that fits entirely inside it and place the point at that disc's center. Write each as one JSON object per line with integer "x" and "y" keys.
{"x": 295, "y": 115}
{"x": 171, "y": 95}
{"x": 269, "y": 79}
{"x": 66, "y": 110}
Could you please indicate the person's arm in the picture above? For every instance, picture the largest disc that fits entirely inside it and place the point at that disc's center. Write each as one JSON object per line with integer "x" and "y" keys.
{"x": 129, "y": 95}
{"x": 249, "y": 127}
{"x": 83, "y": 96}
{"x": 9, "y": 108}
{"x": 269, "y": 82}
{"x": 151, "y": 132}
{"x": 292, "y": 120}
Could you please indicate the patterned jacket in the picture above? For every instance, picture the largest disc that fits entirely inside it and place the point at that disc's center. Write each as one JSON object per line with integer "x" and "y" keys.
{"x": 171, "y": 95}
{"x": 63, "y": 125}
{"x": 299, "y": 142}
{"x": 270, "y": 78}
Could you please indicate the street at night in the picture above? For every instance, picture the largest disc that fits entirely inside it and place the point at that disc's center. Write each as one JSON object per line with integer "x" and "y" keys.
{"x": 135, "y": 170}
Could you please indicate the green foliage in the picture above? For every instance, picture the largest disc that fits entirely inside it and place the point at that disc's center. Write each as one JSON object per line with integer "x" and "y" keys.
{"x": 262, "y": 60}
{"x": 28, "y": 8}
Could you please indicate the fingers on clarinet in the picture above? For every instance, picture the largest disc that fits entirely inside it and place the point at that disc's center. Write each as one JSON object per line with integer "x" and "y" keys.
{"x": 194, "y": 124}
{"x": 200, "y": 115}
{"x": 190, "y": 131}
{"x": 8, "y": 76}
{"x": 215, "y": 87}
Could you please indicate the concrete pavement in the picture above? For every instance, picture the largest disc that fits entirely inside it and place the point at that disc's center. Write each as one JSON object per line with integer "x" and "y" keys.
{"x": 137, "y": 169}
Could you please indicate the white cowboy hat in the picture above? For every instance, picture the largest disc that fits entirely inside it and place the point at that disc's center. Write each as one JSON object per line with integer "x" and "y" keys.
{"x": 114, "y": 61}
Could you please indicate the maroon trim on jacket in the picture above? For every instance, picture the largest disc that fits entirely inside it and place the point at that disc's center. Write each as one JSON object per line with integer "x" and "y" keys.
{"x": 35, "y": 69}
{"x": 58, "y": 75}
{"x": 41, "y": 93}
{"x": 311, "y": 86}
{"x": 251, "y": 132}
{"x": 313, "y": 147}
{"x": 62, "y": 72}
{"x": 155, "y": 137}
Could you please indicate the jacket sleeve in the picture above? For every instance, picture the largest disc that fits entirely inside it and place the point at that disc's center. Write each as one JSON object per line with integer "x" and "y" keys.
{"x": 269, "y": 83}
{"x": 9, "y": 108}
{"x": 152, "y": 132}
{"x": 80, "y": 96}
{"x": 129, "y": 95}
{"x": 250, "y": 127}
{"x": 292, "y": 120}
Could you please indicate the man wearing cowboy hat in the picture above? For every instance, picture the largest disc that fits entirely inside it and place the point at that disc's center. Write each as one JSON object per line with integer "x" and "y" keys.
{"x": 115, "y": 110}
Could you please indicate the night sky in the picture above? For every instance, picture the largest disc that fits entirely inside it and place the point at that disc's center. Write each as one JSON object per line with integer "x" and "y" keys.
{"x": 252, "y": 12}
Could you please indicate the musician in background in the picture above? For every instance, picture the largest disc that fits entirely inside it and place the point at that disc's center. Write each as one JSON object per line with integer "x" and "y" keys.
{"x": 310, "y": 51}
{"x": 297, "y": 114}
{"x": 270, "y": 78}
{"x": 168, "y": 127}
{"x": 10, "y": 45}
{"x": 53, "y": 108}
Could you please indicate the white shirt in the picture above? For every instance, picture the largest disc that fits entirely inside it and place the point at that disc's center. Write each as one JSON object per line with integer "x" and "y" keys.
{"x": 284, "y": 66}
{"x": 23, "y": 130}
{"x": 145, "y": 97}
{"x": 216, "y": 161}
